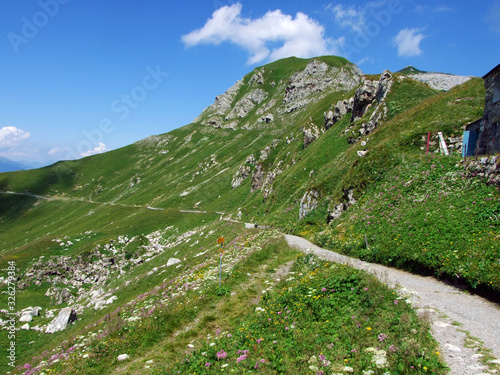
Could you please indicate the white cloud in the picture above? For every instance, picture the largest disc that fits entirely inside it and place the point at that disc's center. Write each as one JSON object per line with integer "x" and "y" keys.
{"x": 10, "y": 136}
{"x": 349, "y": 17}
{"x": 408, "y": 42}
{"x": 273, "y": 36}
{"x": 97, "y": 150}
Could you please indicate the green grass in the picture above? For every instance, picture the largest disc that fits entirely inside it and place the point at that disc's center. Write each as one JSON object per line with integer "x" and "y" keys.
{"x": 326, "y": 317}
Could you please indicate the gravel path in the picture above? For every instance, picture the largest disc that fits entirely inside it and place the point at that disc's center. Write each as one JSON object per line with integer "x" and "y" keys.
{"x": 445, "y": 305}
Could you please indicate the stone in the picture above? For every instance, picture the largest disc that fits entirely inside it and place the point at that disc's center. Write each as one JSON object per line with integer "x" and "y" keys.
{"x": 341, "y": 108}
{"x": 173, "y": 261}
{"x": 26, "y": 318}
{"x": 25, "y": 326}
{"x": 308, "y": 203}
{"x": 66, "y": 316}
{"x": 258, "y": 177}
{"x": 123, "y": 357}
{"x": 310, "y": 134}
{"x": 361, "y": 153}
{"x": 58, "y": 295}
{"x": 242, "y": 173}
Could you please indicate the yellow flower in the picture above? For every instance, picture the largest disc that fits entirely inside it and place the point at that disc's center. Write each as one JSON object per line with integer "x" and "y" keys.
{"x": 369, "y": 328}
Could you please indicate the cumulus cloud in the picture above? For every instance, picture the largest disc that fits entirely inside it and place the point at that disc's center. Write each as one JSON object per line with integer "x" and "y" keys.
{"x": 408, "y": 42}
{"x": 10, "y": 137}
{"x": 97, "y": 150}
{"x": 273, "y": 36}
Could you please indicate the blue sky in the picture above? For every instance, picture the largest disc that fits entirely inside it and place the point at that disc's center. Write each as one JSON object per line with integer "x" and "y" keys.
{"x": 82, "y": 77}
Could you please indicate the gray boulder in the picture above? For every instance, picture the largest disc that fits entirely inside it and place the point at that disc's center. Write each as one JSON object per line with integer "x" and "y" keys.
{"x": 66, "y": 316}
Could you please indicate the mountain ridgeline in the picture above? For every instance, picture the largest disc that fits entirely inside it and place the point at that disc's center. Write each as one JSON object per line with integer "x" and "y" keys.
{"x": 301, "y": 145}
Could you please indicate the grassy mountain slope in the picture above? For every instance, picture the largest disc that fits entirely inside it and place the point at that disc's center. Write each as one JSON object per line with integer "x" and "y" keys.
{"x": 131, "y": 210}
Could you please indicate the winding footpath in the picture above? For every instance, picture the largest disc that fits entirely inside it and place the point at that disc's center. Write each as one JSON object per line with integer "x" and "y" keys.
{"x": 452, "y": 312}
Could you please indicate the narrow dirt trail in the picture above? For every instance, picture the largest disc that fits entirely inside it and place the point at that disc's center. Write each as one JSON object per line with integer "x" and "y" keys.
{"x": 451, "y": 310}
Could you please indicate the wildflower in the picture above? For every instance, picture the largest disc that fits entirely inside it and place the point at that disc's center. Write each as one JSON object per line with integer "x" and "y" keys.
{"x": 229, "y": 335}
{"x": 207, "y": 364}
{"x": 393, "y": 348}
{"x": 323, "y": 290}
{"x": 395, "y": 301}
{"x": 382, "y": 337}
{"x": 262, "y": 360}
{"x": 221, "y": 355}
{"x": 241, "y": 358}
{"x": 259, "y": 341}
{"x": 369, "y": 328}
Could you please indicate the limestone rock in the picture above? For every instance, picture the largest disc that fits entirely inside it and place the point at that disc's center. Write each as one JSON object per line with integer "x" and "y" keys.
{"x": 257, "y": 78}
{"x": 123, "y": 357}
{"x": 242, "y": 173}
{"x": 173, "y": 261}
{"x": 266, "y": 119}
{"x": 58, "y": 295}
{"x": 257, "y": 177}
{"x": 26, "y": 318}
{"x": 335, "y": 210}
{"x": 306, "y": 85}
{"x": 341, "y": 108}
{"x": 310, "y": 134}
{"x": 66, "y": 316}
{"x": 264, "y": 154}
{"x": 308, "y": 203}
{"x": 25, "y": 326}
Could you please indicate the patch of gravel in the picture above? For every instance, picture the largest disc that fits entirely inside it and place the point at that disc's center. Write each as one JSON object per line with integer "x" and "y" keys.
{"x": 451, "y": 311}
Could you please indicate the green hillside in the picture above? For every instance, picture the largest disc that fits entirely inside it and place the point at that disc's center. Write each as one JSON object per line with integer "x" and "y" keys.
{"x": 108, "y": 225}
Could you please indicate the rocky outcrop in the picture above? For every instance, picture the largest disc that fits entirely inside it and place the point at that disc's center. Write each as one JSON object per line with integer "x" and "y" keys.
{"x": 243, "y": 107}
{"x": 221, "y": 106}
{"x": 308, "y": 203}
{"x": 336, "y": 210}
{"x": 258, "y": 177}
{"x": 242, "y": 173}
{"x": 310, "y": 83}
{"x": 59, "y": 295}
{"x": 440, "y": 81}
{"x": 342, "y": 108}
{"x": 310, "y": 134}
{"x": 370, "y": 94}
{"x": 66, "y": 316}
{"x": 257, "y": 78}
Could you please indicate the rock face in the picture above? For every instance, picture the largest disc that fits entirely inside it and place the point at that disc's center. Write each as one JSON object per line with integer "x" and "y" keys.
{"x": 310, "y": 134}
{"x": 258, "y": 177}
{"x": 308, "y": 203}
{"x": 315, "y": 79}
{"x": 440, "y": 81}
{"x": 242, "y": 173}
{"x": 370, "y": 94}
{"x": 66, "y": 316}
{"x": 341, "y": 108}
{"x": 335, "y": 210}
{"x": 250, "y": 99}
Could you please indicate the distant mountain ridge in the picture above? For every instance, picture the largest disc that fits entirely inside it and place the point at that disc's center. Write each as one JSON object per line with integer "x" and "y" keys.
{"x": 7, "y": 165}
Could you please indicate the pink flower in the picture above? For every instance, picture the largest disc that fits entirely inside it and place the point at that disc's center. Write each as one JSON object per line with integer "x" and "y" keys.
{"x": 241, "y": 358}
{"x": 323, "y": 290}
{"x": 222, "y": 354}
{"x": 207, "y": 364}
{"x": 395, "y": 301}
{"x": 259, "y": 341}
